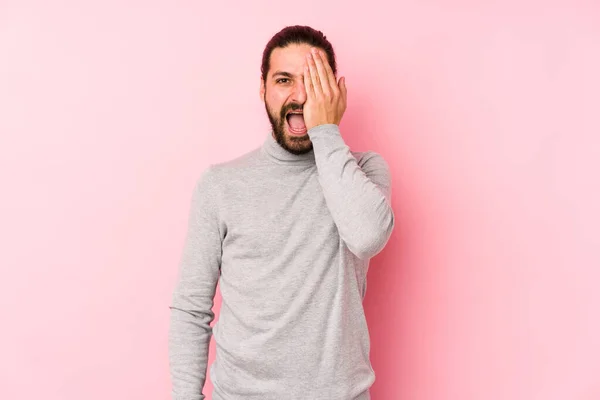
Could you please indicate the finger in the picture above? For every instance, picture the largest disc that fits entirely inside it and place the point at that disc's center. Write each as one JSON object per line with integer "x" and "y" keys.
{"x": 314, "y": 76}
{"x": 330, "y": 75}
{"x": 343, "y": 89}
{"x": 322, "y": 72}
{"x": 308, "y": 86}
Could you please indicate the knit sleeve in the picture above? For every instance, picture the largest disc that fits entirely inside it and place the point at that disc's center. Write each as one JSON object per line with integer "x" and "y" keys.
{"x": 192, "y": 301}
{"x": 359, "y": 198}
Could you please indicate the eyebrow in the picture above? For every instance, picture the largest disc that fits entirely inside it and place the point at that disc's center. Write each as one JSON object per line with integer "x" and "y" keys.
{"x": 283, "y": 73}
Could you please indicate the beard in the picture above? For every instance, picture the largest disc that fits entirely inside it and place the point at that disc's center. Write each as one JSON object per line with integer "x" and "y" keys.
{"x": 294, "y": 144}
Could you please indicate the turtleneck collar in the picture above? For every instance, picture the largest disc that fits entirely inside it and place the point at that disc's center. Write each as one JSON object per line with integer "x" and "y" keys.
{"x": 274, "y": 151}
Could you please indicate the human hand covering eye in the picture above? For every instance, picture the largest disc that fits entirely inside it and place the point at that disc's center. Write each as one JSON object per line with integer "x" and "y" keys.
{"x": 325, "y": 98}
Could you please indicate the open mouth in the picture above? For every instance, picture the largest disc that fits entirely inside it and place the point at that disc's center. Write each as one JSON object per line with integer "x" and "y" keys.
{"x": 295, "y": 122}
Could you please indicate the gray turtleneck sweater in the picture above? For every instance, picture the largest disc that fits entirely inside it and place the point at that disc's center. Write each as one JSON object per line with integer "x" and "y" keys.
{"x": 288, "y": 238}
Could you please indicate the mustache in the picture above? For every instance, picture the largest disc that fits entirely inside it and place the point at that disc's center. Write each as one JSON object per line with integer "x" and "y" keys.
{"x": 291, "y": 107}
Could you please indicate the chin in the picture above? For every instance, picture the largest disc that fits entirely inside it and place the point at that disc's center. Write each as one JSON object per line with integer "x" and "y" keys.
{"x": 297, "y": 144}
{"x": 295, "y": 138}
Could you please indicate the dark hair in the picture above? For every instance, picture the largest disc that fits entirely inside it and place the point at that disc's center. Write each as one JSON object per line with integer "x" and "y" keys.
{"x": 297, "y": 34}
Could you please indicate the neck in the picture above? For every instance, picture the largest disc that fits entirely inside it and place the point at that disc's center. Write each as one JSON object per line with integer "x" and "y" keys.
{"x": 273, "y": 150}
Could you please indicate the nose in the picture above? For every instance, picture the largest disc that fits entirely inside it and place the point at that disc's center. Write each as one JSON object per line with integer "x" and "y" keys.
{"x": 299, "y": 92}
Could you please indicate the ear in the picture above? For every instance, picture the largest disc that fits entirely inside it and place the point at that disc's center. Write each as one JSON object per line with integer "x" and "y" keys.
{"x": 262, "y": 89}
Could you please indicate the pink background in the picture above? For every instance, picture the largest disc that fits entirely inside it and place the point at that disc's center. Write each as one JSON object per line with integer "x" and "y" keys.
{"x": 488, "y": 114}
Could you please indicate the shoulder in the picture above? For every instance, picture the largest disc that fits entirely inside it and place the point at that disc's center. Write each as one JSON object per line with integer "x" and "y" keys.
{"x": 220, "y": 172}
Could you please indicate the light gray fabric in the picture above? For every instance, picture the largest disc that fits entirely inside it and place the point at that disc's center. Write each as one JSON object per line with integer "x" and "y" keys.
{"x": 288, "y": 238}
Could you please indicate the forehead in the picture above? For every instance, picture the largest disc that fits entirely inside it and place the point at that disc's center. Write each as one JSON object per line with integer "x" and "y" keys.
{"x": 289, "y": 59}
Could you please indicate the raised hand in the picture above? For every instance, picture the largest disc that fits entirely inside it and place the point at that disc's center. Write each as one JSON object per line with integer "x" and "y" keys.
{"x": 326, "y": 98}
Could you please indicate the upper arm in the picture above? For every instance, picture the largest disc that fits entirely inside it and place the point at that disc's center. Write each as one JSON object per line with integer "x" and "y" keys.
{"x": 200, "y": 261}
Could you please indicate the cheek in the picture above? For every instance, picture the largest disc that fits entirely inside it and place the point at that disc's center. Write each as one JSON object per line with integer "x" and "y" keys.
{"x": 277, "y": 96}
{"x": 275, "y": 104}
{"x": 277, "y": 99}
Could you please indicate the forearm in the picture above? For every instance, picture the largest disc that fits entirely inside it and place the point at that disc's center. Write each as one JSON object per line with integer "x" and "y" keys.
{"x": 189, "y": 338}
{"x": 359, "y": 206}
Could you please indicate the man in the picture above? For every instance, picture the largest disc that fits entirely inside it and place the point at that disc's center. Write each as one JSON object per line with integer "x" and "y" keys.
{"x": 287, "y": 230}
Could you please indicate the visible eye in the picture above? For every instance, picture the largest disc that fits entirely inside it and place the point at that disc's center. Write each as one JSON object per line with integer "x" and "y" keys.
{"x": 281, "y": 79}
